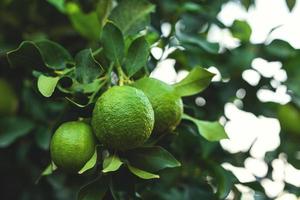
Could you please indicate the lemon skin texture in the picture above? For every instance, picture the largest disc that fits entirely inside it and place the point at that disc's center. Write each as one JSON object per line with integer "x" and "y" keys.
{"x": 167, "y": 106}
{"x": 8, "y": 99}
{"x": 72, "y": 145}
{"x": 123, "y": 118}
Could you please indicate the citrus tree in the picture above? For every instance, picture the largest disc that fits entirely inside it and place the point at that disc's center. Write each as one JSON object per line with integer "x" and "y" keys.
{"x": 83, "y": 118}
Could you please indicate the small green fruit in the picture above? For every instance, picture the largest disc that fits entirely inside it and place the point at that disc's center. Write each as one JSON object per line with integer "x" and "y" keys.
{"x": 123, "y": 118}
{"x": 167, "y": 106}
{"x": 72, "y": 145}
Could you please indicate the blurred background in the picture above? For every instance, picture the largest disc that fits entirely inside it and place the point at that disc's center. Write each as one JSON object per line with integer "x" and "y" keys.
{"x": 251, "y": 46}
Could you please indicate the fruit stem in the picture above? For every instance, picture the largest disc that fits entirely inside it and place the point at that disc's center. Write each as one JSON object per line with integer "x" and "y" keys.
{"x": 120, "y": 73}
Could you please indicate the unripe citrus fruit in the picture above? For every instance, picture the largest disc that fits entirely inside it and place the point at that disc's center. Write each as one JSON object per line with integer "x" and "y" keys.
{"x": 72, "y": 145}
{"x": 123, "y": 118}
{"x": 167, "y": 106}
{"x": 289, "y": 117}
{"x": 8, "y": 99}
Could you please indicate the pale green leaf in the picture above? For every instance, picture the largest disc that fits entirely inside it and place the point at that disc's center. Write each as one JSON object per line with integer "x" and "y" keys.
{"x": 46, "y": 85}
{"x": 141, "y": 173}
{"x": 212, "y": 131}
{"x": 90, "y": 164}
{"x": 111, "y": 163}
{"x": 196, "y": 81}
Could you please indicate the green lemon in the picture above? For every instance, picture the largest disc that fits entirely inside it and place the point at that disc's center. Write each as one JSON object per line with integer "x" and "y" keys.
{"x": 123, "y": 118}
{"x": 8, "y": 99}
{"x": 289, "y": 117}
{"x": 167, "y": 106}
{"x": 72, "y": 145}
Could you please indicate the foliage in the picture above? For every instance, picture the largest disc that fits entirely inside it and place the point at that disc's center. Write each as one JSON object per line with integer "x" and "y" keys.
{"x": 59, "y": 56}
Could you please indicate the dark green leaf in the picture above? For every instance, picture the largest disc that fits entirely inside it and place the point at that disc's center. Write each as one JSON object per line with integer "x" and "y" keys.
{"x": 196, "y": 81}
{"x": 103, "y": 10}
{"x": 94, "y": 190}
{"x": 198, "y": 41}
{"x": 141, "y": 173}
{"x": 132, "y": 16}
{"x": 87, "y": 68}
{"x": 46, "y": 85}
{"x": 280, "y": 49}
{"x": 290, "y": 4}
{"x": 256, "y": 186}
{"x": 151, "y": 159}
{"x": 137, "y": 56}
{"x": 111, "y": 163}
{"x": 225, "y": 180}
{"x": 247, "y": 3}
{"x": 42, "y": 137}
{"x": 90, "y": 164}
{"x": 38, "y": 54}
{"x": 113, "y": 42}
{"x": 87, "y": 24}
{"x": 241, "y": 30}
{"x": 212, "y": 131}
{"x": 12, "y": 128}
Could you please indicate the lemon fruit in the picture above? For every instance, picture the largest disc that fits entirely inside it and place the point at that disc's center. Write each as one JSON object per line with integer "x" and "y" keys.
{"x": 123, "y": 118}
{"x": 167, "y": 106}
{"x": 289, "y": 117}
{"x": 72, "y": 145}
{"x": 8, "y": 99}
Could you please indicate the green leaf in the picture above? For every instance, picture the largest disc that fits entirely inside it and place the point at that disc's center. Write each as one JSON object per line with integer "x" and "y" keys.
{"x": 46, "y": 85}
{"x": 90, "y": 164}
{"x": 47, "y": 171}
{"x": 280, "y": 49}
{"x": 241, "y": 30}
{"x": 35, "y": 55}
{"x": 141, "y": 173}
{"x": 212, "y": 131}
{"x": 42, "y": 137}
{"x": 137, "y": 56}
{"x": 113, "y": 43}
{"x": 132, "y": 16}
{"x": 290, "y": 4}
{"x": 225, "y": 180}
{"x": 59, "y": 4}
{"x": 87, "y": 24}
{"x": 247, "y": 3}
{"x": 93, "y": 191}
{"x": 111, "y": 163}
{"x": 151, "y": 159}
{"x": 196, "y": 81}
{"x": 12, "y": 128}
{"x": 103, "y": 10}
{"x": 255, "y": 185}
{"x": 198, "y": 41}
{"x": 87, "y": 68}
